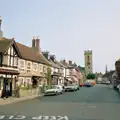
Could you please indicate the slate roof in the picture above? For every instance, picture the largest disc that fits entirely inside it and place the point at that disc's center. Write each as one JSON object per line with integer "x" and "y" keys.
{"x": 109, "y": 73}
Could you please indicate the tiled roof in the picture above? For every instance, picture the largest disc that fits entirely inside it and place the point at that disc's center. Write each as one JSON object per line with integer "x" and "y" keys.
{"x": 65, "y": 64}
{"x": 29, "y": 53}
{"x": 54, "y": 64}
{"x": 60, "y": 64}
{"x": 4, "y": 44}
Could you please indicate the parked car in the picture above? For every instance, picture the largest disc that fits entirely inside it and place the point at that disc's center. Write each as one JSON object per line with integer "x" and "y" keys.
{"x": 116, "y": 82}
{"x": 118, "y": 87}
{"x": 89, "y": 84}
{"x": 83, "y": 84}
{"x": 76, "y": 87}
{"x": 107, "y": 82}
{"x": 70, "y": 88}
{"x": 55, "y": 90}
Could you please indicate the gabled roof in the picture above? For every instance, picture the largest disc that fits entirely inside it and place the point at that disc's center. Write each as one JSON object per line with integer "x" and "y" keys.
{"x": 6, "y": 43}
{"x": 60, "y": 64}
{"x": 109, "y": 73}
{"x": 29, "y": 53}
{"x": 54, "y": 64}
{"x": 65, "y": 64}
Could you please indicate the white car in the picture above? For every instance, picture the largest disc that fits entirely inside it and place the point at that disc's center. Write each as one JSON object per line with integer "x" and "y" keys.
{"x": 107, "y": 82}
{"x": 55, "y": 90}
{"x": 76, "y": 87}
{"x": 70, "y": 88}
{"x": 118, "y": 87}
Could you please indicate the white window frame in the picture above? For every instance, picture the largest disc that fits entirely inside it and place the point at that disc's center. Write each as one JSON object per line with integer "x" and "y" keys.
{"x": 45, "y": 69}
{"x": 40, "y": 68}
{"x": 35, "y": 64}
{"x": 21, "y": 80}
{"x": 23, "y": 68}
{"x": 28, "y": 80}
{"x": 28, "y": 62}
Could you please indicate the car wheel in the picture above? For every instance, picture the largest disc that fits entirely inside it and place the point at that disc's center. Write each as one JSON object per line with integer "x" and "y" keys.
{"x": 56, "y": 93}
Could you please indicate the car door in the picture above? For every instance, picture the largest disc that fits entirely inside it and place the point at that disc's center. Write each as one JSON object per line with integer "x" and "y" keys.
{"x": 58, "y": 89}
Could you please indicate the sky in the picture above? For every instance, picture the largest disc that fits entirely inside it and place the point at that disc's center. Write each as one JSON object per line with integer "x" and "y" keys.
{"x": 67, "y": 28}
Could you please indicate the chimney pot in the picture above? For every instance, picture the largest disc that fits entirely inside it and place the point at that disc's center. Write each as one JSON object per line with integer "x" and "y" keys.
{"x": 37, "y": 41}
{"x": 70, "y": 62}
{"x": 33, "y": 42}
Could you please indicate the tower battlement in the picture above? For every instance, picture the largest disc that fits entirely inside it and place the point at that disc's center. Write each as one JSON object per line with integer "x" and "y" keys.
{"x": 88, "y": 52}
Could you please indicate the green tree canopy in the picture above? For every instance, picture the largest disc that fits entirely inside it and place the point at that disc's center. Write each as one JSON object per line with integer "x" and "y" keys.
{"x": 49, "y": 79}
{"x": 91, "y": 76}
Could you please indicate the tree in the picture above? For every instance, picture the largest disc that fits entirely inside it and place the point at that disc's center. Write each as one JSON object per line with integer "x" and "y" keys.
{"x": 49, "y": 78}
{"x": 91, "y": 76}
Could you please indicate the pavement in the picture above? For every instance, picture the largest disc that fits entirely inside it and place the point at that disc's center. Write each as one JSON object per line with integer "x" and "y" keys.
{"x": 12, "y": 100}
{"x": 100, "y": 102}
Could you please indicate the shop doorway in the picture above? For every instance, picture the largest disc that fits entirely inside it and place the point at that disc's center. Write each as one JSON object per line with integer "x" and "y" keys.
{"x": 7, "y": 88}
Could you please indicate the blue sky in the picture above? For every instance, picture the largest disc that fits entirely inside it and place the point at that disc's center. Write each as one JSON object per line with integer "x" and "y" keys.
{"x": 67, "y": 27}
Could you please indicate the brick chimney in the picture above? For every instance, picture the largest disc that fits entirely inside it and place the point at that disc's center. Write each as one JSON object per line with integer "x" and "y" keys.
{"x": 64, "y": 62}
{"x": 37, "y": 41}
{"x": 36, "y": 44}
{"x": 70, "y": 62}
{"x": 53, "y": 58}
{"x": 33, "y": 42}
{"x": 46, "y": 54}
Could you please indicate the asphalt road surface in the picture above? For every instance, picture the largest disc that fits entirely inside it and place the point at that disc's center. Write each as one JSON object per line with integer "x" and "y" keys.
{"x": 100, "y": 102}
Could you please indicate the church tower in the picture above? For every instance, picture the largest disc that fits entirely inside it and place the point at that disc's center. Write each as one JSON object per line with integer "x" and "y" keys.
{"x": 1, "y": 32}
{"x": 106, "y": 69}
{"x": 88, "y": 62}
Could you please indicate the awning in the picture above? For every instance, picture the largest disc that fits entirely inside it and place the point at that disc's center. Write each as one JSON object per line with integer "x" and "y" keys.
{"x": 74, "y": 79}
{"x": 9, "y": 72}
{"x": 56, "y": 74}
{"x": 68, "y": 78}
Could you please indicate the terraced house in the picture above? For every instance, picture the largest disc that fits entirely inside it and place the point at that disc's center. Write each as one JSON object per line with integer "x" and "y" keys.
{"x": 32, "y": 65}
{"x": 57, "y": 69}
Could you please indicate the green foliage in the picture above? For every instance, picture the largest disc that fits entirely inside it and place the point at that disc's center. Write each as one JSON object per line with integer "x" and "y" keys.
{"x": 91, "y": 76}
{"x": 28, "y": 87}
{"x": 49, "y": 78}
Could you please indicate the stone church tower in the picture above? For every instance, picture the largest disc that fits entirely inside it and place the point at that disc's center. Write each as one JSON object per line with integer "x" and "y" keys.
{"x": 88, "y": 62}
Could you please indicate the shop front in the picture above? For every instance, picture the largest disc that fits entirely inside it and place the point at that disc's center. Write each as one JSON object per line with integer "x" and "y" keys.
{"x": 8, "y": 79}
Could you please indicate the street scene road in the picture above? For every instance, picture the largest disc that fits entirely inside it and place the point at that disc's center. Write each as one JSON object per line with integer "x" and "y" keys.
{"x": 100, "y": 102}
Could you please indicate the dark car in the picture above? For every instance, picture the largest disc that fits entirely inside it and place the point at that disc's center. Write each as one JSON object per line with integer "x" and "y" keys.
{"x": 88, "y": 84}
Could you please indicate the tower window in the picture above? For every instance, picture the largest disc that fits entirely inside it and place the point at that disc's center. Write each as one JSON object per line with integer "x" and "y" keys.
{"x": 88, "y": 58}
